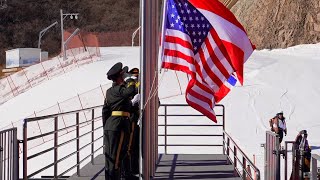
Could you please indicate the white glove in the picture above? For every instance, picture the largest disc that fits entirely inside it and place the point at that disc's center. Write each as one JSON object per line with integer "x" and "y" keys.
{"x": 135, "y": 99}
{"x": 127, "y": 76}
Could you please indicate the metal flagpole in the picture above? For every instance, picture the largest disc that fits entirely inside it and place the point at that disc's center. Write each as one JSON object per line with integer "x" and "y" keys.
{"x": 149, "y": 55}
{"x": 141, "y": 93}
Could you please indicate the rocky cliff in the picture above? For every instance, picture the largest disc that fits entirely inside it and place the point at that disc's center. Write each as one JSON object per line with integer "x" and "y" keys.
{"x": 280, "y": 23}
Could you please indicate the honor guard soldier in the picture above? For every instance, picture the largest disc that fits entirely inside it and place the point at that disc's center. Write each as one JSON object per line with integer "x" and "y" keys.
{"x": 116, "y": 120}
{"x": 133, "y": 148}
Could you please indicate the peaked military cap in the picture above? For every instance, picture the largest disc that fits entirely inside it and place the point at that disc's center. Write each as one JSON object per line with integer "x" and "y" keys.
{"x": 116, "y": 69}
{"x": 134, "y": 71}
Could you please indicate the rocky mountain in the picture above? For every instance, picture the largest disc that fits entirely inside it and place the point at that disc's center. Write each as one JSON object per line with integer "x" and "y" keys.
{"x": 280, "y": 23}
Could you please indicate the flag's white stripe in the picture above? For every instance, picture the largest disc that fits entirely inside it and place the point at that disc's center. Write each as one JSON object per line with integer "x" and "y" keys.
{"x": 228, "y": 85}
{"x": 198, "y": 78}
{"x": 204, "y": 105}
{"x": 206, "y": 77}
{"x": 179, "y": 34}
{"x": 202, "y": 92}
{"x": 219, "y": 55}
{"x": 210, "y": 63}
{"x": 229, "y": 32}
{"x": 178, "y": 47}
{"x": 178, "y": 61}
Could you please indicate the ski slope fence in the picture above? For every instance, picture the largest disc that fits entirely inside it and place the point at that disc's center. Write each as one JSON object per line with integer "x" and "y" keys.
{"x": 91, "y": 98}
{"x": 85, "y": 100}
{"x": 21, "y": 81}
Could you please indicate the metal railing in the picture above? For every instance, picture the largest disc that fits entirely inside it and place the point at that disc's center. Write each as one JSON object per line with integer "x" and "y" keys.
{"x": 9, "y": 154}
{"x": 314, "y": 169}
{"x": 80, "y": 133}
{"x": 286, "y": 150}
{"x": 245, "y": 163}
{"x": 166, "y": 125}
{"x": 272, "y": 156}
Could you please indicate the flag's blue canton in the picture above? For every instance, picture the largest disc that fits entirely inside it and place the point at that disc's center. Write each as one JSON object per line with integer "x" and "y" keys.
{"x": 232, "y": 80}
{"x": 184, "y": 17}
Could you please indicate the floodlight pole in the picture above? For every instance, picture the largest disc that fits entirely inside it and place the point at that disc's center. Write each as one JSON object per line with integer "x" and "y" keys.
{"x": 70, "y": 37}
{"x": 44, "y": 31}
{"x": 62, "y": 17}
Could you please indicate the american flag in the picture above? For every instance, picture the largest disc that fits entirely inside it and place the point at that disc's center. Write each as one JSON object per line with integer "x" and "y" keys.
{"x": 204, "y": 39}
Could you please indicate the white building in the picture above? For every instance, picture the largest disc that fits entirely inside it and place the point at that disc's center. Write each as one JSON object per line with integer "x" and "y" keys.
{"x": 22, "y": 57}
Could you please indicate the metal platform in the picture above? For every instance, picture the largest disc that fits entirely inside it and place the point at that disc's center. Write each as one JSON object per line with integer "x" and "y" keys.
{"x": 187, "y": 166}
{"x": 178, "y": 166}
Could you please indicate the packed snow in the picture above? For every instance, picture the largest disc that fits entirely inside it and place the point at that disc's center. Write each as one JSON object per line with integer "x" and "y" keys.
{"x": 274, "y": 80}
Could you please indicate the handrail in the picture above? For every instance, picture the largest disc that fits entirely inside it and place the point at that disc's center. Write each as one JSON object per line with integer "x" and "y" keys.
{"x": 75, "y": 126}
{"x": 59, "y": 114}
{"x": 245, "y": 160}
{"x": 165, "y": 114}
{"x": 52, "y": 132}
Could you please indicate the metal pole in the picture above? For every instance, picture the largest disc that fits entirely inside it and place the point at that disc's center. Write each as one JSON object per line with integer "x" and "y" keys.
{"x": 244, "y": 166}
{"x": 278, "y": 154}
{"x": 70, "y": 37}
{"x": 285, "y": 160}
{"x": 223, "y": 126}
{"x": 165, "y": 129}
{"x": 266, "y": 158}
{"x": 92, "y": 137}
{"x": 15, "y": 155}
{"x": 142, "y": 98}
{"x": 149, "y": 50}
{"x": 44, "y": 31}
{"x": 25, "y": 150}
{"x": 235, "y": 160}
{"x": 55, "y": 156}
{"x": 1, "y": 158}
{"x": 78, "y": 143}
{"x": 313, "y": 167}
{"x": 62, "y": 36}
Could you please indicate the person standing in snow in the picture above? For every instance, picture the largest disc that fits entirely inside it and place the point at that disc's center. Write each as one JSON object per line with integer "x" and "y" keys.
{"x": 116, "y": 120}
{"x": 278, "y": 125}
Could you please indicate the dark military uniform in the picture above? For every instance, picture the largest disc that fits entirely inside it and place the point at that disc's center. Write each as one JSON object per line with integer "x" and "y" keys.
{"x": 116, "y": 114}
{"x": 134, "y": 140}
{"x": 133, "y": 148}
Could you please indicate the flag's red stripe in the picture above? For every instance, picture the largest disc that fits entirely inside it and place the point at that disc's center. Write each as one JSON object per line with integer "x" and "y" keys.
{"x": 223, "y": 91}
{"x": 220, "y": 44}
{"x": 201, "y": 97}
{"x": 197, "y": 106}
{"x": 215, "y": 59}
{"x": 175, "y": 53}
{"x": 176, "y": 67}
{"x": 202, "y": 110}
{"x": 206, "y": 67}
{"x": 217, "y": 8}
{"x": 178, "y": 40}
{"x": 204, "y": 88}
{"x": 236, "y": 55}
